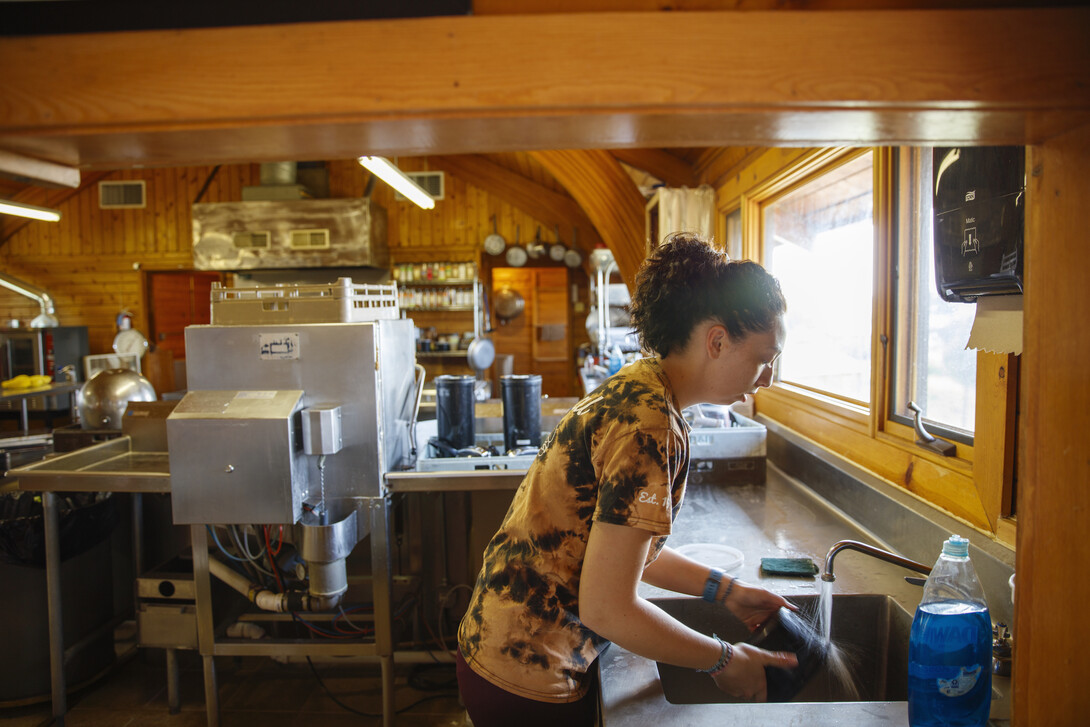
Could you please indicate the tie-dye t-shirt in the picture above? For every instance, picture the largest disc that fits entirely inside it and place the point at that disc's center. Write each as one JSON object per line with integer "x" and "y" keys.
{"x": 621, "y": 455}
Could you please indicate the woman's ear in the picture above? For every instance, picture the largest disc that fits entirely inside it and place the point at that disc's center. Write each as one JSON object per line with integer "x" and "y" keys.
{"x": 717, "y": 340}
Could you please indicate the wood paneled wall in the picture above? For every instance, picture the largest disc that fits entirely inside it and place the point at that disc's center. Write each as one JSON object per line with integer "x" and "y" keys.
{"x": 92, "y": 261}
{"x": 453, "y": 231}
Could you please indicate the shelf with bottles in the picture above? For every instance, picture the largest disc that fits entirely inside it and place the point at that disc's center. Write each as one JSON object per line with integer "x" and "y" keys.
{"x": 436, "y": 286}
{"x": 436, "y": 299}
{"x": 434, "y": 274}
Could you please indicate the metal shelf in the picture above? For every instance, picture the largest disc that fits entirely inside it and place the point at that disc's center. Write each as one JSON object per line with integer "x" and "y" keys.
{"x": 434, "y": 283}
{"x": 452, "y": 308}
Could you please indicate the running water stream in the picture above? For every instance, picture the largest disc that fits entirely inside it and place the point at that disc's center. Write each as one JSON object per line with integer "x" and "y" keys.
{"x": 837, "y": 663}
{"x": 825, "y": 613}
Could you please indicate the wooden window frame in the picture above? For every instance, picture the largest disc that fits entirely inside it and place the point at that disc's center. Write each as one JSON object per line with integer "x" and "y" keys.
{"x": 974, "y": 485}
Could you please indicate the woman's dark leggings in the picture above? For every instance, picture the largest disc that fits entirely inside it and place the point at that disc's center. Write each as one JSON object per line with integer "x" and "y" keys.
{"x": 492, "y": 706}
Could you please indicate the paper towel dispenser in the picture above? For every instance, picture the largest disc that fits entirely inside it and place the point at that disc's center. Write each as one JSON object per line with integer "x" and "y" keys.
{"x": 979, "y": 221}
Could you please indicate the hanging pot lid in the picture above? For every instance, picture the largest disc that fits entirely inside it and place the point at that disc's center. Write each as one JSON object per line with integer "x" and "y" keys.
{"x": 557, "y": 249}
{"x": 509, "y": 304}
{"x": 573, "y": 258}
{"x": 516, "y": 257}
{"x": 494, "y": 243}
{"x": 516, "y": 254}
{"x": 481, "y": 353}
{"x": 536, "y": 248}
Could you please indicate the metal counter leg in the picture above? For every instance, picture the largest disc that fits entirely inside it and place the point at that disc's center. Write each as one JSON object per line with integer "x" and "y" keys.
{"x": 389, "y": 707}
{"x": 211, "y": 692}
{"x": 206, "y": 638}
{"x": 174, "y": 699}
{"x": 382, "y": 594}
{"x": 51, "y": 517}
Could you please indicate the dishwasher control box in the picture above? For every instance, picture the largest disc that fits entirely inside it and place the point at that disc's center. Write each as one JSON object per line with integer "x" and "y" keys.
{"x": 235, "y": 457}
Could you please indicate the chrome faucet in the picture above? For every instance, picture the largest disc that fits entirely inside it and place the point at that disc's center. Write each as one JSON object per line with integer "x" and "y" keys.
{"x": 872, "y": 551}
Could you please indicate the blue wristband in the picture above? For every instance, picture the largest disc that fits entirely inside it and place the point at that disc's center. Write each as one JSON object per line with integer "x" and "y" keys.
{"x": 711, "y": 586}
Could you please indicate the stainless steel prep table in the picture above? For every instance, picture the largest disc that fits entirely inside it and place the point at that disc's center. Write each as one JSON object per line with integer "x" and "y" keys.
{"x": 111, "y": 466}
{"x": 116, "y": 466}
{"x": 781, "y": 518}
{"x": 22, "y": 395}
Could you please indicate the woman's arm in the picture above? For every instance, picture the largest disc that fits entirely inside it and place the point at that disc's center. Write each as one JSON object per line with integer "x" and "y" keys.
{"x": 610, "y": 606}
{"x": 675, "y": 572}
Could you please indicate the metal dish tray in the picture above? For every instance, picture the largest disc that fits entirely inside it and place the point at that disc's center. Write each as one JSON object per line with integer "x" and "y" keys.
{"x": 111, "y": 466}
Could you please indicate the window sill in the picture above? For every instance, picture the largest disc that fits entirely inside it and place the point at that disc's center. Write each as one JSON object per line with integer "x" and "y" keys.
{"x": 944, "y": 481}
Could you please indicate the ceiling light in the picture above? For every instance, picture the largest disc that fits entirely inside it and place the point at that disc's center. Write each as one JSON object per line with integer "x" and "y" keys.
{"x": 28, "y": 210}
{"x": 388, "y": 172}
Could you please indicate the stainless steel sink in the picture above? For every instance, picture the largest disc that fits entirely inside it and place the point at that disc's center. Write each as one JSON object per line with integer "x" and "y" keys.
{"x": 870, "y": 633}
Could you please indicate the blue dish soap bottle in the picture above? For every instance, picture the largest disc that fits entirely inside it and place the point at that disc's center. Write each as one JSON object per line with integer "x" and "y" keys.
{"x": 950, "y": 645}
{"x": 616, "y": 360}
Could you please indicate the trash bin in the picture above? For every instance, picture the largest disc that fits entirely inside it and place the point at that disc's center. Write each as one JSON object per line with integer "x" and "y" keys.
{"x": 87, "y": 520}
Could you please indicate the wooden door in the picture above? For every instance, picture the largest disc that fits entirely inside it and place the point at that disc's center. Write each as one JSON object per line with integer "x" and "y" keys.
{"x": 176, "y": 300}
{"x": 539, "y": 340}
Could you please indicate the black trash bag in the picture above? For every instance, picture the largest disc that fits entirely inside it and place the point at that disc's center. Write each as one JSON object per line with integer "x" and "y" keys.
{"x": 85, "y": 520}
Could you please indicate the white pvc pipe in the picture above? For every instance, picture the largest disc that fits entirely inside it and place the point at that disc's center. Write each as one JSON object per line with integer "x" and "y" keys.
{"x": 265, "y": 599}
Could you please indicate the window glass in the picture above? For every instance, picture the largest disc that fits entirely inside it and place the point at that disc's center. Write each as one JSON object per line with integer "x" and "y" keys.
{"x": 932, "y": 367}
{"x": 819, "y": 243}
{"x": 734, "y": 234}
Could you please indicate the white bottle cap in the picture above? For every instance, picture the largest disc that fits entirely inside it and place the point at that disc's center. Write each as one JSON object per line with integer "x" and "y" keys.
{"x": 956, "y": 547}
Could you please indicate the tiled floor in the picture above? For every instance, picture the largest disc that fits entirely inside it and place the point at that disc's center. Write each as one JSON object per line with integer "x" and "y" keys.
{"x": 253, "y": 691}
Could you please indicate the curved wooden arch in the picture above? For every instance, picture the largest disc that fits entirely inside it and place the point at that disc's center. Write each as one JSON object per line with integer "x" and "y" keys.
{"x": 612, "y": 201}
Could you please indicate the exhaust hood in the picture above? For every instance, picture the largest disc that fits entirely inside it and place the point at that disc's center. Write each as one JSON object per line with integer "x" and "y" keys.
{"x": 289, "y": 234}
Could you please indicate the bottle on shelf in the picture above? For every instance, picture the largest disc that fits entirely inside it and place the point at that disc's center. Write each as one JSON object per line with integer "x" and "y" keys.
{"x": 950, "y": 645}
{"x": 616, "y": 360}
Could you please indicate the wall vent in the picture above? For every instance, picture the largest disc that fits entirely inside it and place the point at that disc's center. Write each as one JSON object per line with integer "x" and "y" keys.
{"x": 309, "y": 240}
{"x": 432, "y": 182}
{"x": 251, "y": 240}
{"x": 129, "y": 194}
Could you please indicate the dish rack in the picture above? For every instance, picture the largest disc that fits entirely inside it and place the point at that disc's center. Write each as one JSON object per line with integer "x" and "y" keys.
{"x": 339, "y": 302}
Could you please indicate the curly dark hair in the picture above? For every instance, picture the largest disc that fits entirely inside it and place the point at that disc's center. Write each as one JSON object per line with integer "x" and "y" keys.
{"x": 687, "y": 281}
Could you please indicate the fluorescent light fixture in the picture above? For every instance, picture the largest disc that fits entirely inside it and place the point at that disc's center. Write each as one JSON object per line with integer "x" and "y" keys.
{"x": 388, "y": 172}
{"x": 28, "y": 210}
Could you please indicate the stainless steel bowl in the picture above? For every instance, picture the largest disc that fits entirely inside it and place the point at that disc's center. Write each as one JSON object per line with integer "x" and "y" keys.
{"x": 102, "y": 401}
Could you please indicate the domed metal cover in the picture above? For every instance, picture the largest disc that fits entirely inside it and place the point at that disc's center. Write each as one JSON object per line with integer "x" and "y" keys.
{"x": 102, "y": 400}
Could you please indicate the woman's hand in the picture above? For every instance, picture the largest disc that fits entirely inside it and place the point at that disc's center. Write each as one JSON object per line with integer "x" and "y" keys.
{"x": 744, "y": 676}
{"x": 753, "y": 605}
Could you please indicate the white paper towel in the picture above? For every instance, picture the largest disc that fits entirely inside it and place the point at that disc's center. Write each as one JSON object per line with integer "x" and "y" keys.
{"x": 997, "y": 327}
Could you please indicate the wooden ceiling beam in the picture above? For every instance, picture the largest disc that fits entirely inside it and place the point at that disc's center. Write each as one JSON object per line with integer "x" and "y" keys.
{"x": 35, "y": 171}
{"x": 601, "y": 186}
{"x": 672, "y": 170}
{"x": 609, "y": 81}
{"x": 544, "y": 204}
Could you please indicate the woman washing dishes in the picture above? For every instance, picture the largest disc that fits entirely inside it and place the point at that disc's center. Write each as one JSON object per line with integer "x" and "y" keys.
{"x": 590, "y": 520}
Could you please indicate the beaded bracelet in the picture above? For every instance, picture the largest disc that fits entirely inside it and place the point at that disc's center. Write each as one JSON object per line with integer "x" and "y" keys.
{"x": 726, "y": 653}
{"x": 726, "y": 593}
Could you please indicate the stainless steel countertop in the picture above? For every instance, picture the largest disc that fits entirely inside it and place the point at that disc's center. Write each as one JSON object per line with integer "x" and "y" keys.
{"x": 781, "y": 518}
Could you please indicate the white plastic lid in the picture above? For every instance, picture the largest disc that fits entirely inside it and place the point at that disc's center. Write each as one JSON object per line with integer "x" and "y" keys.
{"x": 956, "y": 547}
{"x": 713, "y": 554}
